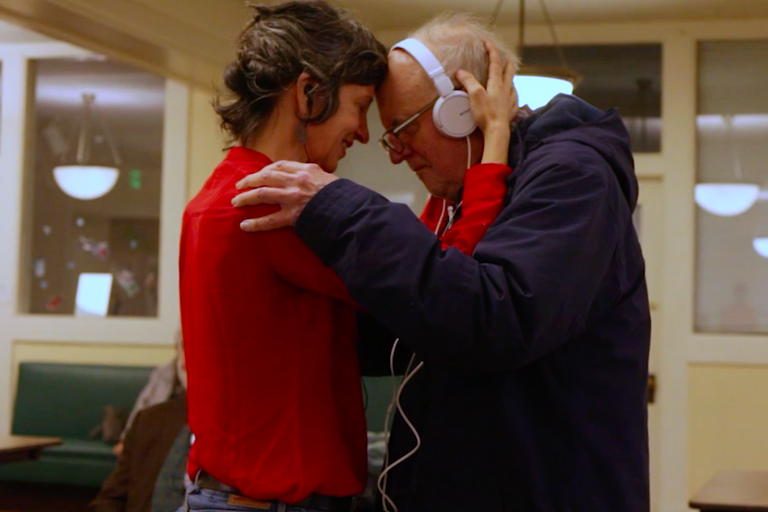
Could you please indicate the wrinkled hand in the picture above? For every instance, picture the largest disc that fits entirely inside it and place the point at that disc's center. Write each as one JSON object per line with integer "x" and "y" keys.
{"x": 288, "y": 184}
{"x": 496, "y": 104}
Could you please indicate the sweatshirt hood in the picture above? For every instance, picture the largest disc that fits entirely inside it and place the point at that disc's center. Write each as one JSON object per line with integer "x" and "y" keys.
{"x": 570, "y": 118}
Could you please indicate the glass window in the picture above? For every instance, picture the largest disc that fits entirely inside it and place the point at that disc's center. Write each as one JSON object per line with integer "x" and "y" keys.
{"x": 93, "y": 209}
{"x": 731, "y": 213}
{"x": 627, "y": 77}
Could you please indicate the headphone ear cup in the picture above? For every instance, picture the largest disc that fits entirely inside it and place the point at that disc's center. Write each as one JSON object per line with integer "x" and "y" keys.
{"x": 453, "y": 116}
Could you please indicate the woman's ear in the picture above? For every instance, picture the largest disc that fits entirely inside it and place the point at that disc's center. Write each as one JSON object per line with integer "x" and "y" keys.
{"x": 305, "y": 84}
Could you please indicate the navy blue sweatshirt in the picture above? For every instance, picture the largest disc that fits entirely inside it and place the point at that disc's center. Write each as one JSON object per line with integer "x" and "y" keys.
{"x": 532, "y": 396}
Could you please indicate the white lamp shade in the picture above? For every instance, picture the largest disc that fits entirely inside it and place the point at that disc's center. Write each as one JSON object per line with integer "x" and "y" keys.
{"x": 85, "y": 181}
{"x": 536, "y": 91}
{"x": 726, "y": 199}
{"x": 761, "y": 246}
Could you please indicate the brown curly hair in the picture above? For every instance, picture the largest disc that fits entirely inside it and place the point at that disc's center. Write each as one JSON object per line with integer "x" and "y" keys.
{"x": 281, "y": 42}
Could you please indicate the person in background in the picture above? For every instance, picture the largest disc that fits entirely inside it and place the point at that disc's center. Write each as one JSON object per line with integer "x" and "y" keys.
{"x": 149, "y": 476}
{"x": 164, "y": 383}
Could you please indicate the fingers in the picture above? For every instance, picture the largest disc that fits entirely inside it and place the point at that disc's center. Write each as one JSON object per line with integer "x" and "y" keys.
{"x": 277, "y": 220}
{"x": 265, "y": 178}
{"x": 509, "y": 73}
{"x": 288, "y": 184}
{"x": 495, "y": 72}
{"x": 501, "y": 78}
{"x": 513, "y": 101}
{"x": 274, "y": 174}
{"x": 469, "y": 82}
{"x": 264, "y": 195}
{"x": 509, "y": 81}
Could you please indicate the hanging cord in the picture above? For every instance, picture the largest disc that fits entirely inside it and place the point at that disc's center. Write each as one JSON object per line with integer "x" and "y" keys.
{"x": 728, "y": 120}
{"x": 551, "y": 27}
{"x": 496, "y": 12}
{"x": 109, "y": 139}
{"x": 521, "y": 29}
{"x": 90, "y": 118}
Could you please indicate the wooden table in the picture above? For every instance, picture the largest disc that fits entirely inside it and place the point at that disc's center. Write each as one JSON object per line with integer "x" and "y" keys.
{"x": 734, "y": 491}
{"x": 16, "y": 448}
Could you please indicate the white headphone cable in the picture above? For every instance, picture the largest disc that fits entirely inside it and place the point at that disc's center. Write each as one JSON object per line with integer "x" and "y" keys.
{"x": 469, "y": 153}
{"x": 381, "y": 482}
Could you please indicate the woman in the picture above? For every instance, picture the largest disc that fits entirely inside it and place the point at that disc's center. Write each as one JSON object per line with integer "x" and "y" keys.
{"x": 275, "y": 402}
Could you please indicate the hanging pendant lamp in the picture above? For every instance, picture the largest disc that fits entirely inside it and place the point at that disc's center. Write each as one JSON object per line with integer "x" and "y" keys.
{"x": 82, "y": 180}
{"x": 728, "y": 199}
{"x": 760, "y": 245}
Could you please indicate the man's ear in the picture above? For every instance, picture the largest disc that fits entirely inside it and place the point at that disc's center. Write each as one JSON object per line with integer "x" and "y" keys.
{"x": 305, "y": 84}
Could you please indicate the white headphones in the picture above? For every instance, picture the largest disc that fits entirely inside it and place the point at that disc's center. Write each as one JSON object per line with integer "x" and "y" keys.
{"x": 451, "y": 113}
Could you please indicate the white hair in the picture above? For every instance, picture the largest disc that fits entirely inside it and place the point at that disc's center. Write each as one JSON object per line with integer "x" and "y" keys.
{"x": 457, "y": 40}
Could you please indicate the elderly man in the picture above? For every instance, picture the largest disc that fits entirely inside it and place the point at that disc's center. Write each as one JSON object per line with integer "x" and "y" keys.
{"x": 525, "y": 360}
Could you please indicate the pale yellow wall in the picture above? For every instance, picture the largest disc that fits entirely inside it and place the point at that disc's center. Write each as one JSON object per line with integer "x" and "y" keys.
{"x": 728, "y": 422}
{"x": 92, "y": 353}
{"x": 206, "y": 140}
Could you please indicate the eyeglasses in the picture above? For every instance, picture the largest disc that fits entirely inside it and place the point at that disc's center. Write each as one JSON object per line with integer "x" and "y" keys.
{"x": 391, "y": 141}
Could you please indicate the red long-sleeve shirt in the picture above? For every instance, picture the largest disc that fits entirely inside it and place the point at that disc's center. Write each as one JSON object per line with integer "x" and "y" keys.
{"x": 274, "y": 392}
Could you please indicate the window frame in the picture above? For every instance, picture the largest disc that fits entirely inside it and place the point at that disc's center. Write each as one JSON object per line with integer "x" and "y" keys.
{"x": 16, "y": 215}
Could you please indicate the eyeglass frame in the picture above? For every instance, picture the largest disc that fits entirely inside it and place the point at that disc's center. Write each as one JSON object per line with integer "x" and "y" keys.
{"x": 384, "y": 143}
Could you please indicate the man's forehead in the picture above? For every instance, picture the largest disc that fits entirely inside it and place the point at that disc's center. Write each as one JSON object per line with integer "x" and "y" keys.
{"x": 407, "y": 87}
{"x": 407, "y": 72}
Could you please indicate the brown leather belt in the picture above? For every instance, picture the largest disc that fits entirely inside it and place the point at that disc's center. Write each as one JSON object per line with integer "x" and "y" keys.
{"x": 313, "y": 501}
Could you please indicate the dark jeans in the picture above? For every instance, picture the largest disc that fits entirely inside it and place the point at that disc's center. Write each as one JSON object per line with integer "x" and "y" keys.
{"x": 208, "y": 500}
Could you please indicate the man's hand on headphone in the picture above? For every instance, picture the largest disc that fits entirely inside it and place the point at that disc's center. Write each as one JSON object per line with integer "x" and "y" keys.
{"x": 495, "y": 106}
{"x": 288, "y": 184}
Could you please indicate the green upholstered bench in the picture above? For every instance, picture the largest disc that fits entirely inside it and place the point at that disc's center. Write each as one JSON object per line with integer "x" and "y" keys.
{"x": 378, "y": 394}
{"x": 67, "y": 401}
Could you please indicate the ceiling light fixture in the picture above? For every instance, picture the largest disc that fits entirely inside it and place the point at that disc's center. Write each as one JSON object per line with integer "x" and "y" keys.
{"x": 83, "y": 180}
{"x": 760, "y": 245}
{"x": 537, "y": 85}
{"x": 727, "y": 199}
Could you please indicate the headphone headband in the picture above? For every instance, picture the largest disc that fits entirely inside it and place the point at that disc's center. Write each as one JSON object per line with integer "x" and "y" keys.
{"x": 429, "y": 62}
